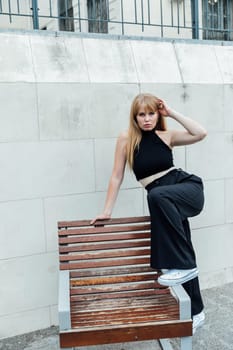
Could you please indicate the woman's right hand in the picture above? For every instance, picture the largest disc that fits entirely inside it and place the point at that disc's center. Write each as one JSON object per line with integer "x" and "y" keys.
{"x": 100, "y": 217}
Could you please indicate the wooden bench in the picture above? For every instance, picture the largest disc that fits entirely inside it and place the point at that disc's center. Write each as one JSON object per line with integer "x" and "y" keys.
{"x": 108, "y": 292}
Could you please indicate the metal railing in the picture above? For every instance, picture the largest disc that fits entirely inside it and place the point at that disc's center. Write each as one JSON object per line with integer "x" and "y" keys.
{"x": 197, "y": 19}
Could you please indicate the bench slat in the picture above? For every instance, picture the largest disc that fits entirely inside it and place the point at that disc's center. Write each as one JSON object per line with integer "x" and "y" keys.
{"x": 113, "y": 279}
{"x": 126, "y": 318}
{"x": 103, "y": 238}
{"x": 100, "y": 238}
{"x": 126, "y": 270}
{"x": 112, "y": 229}
{"x": 112, "y": 289}
{"x": 100, "y": 246}
{"x": 124, "y": 303}
{"x": 105, "y": 254}
{"x": 120, "y": 221}
{"x": 117, "y": 295}
{"x": 104, "y": 263}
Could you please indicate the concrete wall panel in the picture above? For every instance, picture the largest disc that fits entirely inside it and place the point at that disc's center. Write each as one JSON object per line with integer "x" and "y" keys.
{"x": 32, "y": 170}
{"x": 24, "y": 322}
{"x": 16, "y": 58}
{"x": 227, "y": 108}
{"x": 229, "y": 200}
{"x": 207, "y": 158}
{"x": 205, "y": 103}
{"x": 145, "y": 204}
{"x": 19, "y": 120}
{"x": 58, "y": 59}
{"x": 110, "y": 61}
{"x": 179, "y": 157}
{"x": 198, "y": 64}
{"x": 129, "y": 203}
{"x": 16, "y": 226}
{"x": 225, "y": 60}
{"x": 214, "y": 244}
{"x": 67, "y": 115}
{"x": 228, "y": 154}
{"x": 53, "y": 315}
{"x": 20, "y": 295}
{"x": 150, "y": 58}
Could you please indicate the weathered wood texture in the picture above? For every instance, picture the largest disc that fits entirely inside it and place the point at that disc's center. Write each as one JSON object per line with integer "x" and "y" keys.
{"x": 114, "y": 293}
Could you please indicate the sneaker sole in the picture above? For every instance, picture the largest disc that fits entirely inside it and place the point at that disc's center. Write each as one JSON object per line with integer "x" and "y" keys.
{"x": 200, "y": 324}
{"x": 174, "y": 282}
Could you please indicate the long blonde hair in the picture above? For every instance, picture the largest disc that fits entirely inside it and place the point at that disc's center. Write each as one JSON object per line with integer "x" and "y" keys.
{"x": 150, "y": 103}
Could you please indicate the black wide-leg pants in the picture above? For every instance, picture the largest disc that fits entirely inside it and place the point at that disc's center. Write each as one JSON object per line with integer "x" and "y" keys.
{"x": 172, "y": 199}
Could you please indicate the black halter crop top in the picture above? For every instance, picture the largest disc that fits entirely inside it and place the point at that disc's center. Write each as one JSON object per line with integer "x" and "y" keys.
{"x": 151, "y": 156}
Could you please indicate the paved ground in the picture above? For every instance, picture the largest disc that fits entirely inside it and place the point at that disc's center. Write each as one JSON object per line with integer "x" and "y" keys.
{"x": 216, "y": 334}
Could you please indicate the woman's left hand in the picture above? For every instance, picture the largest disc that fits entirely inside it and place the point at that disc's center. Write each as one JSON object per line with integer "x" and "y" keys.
{"x": 164, "y": 109}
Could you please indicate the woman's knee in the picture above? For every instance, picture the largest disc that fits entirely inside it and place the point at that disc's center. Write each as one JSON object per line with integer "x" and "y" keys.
{"x": 156, "y": 195}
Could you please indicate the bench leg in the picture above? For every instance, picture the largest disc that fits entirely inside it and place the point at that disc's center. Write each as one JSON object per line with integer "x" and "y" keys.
{"x": 165, "y": 344}
{"x": 185, "y": 313}
{"x": 186, "y": 343}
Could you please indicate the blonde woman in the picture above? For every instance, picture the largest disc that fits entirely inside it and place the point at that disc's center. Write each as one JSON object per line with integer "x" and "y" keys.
{"x": 173, "y": 194}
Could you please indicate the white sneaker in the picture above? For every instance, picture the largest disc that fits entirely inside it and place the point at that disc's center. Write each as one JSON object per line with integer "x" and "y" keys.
{"x": 198, "y": 321}
{"x": 174, "y": 277}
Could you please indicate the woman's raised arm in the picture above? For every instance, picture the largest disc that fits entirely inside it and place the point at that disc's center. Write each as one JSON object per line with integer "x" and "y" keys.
{"x": 194, "y": 131}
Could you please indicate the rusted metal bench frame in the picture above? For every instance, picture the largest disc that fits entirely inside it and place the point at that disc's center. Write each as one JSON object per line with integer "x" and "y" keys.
{"x": 183, "y": 299}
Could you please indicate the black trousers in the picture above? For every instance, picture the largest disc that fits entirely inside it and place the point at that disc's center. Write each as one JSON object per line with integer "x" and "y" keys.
{"x": 172, "y": 199}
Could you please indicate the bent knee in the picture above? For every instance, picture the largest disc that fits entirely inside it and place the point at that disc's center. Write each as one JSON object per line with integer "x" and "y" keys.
{"x": 156, "y": 195}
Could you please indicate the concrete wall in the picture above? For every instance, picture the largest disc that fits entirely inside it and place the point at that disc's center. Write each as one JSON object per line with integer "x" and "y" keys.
{"x": 64, "y": 99}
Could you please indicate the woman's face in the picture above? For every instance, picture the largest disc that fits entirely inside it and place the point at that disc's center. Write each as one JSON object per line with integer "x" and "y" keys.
{"x": 147, "y": 119}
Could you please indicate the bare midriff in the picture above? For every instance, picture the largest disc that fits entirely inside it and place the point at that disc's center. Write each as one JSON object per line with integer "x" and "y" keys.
{"x": 147, "y": 180}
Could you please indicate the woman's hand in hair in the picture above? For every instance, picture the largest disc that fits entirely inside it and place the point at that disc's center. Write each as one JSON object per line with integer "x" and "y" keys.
{"x": 163, "y": 108}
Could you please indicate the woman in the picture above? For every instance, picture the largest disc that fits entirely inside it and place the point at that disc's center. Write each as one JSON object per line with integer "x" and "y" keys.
{"x": 173, "y": 194}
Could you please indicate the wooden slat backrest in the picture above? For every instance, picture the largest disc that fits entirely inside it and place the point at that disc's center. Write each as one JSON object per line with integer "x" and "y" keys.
{"x": 114, "y": 242}
{"x": 108, "y": 260}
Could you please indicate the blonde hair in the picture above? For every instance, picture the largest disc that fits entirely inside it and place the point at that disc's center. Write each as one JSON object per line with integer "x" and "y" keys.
{"x": 150, "y": 103}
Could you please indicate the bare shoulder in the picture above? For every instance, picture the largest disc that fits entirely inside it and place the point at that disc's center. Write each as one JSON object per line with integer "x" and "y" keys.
{"x": 123, "y": 137}
{"x": 121, "y": 145}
